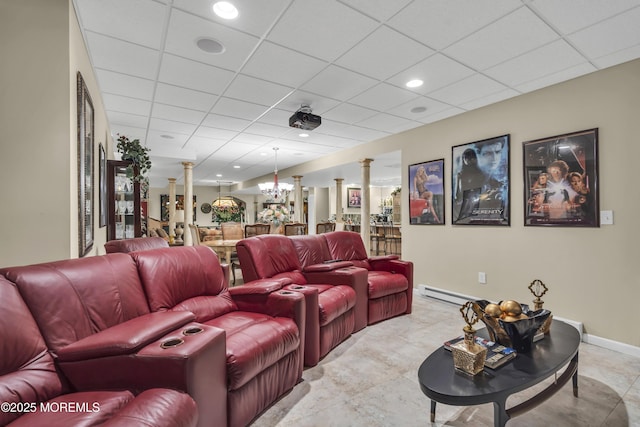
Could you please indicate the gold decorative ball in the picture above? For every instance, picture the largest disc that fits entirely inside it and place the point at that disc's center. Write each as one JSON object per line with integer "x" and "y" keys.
{"x": 493, "y": 310}
{"x": 510, "y": 318}
{"x": 512, "y": 308}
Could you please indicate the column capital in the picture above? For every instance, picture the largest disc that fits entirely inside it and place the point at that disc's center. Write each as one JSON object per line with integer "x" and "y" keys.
{"x": 297, "y": 176}
{"x": 338, "y": 180}
{"x": 187, "y": 164}
{"x": 172, "y": 180}
{"x": 365, "y": 162}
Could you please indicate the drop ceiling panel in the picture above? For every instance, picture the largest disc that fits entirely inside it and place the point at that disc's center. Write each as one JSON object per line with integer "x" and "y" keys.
{"x": 193, "y": 75}
{"x": 185, "y": 30}
{"x": 564, "y": 75}
{"x": 164, "y": 125}
{"x": 349, "y": 113}
{"x": 291, "y": 68}
{"x": 469, "y": 89}
{"x": 123, "y": 119}
{"x": 437, "y": 71}
{"x": 123, "y": 57}
{"x": 178, "y": 114}
{"x": 541, "y": 62}
{"x": 265, "y": 129}
{"x": 338, "y": 83}
{"x": 255, "y": 17}
{"x": 257, "y": 91}
{"x": 225, "y": 122}
{"x": 441, "y": 23}
{"x": 387, "y": 123}
{"x": 255, "y": 140}
{"x": 122, "y": 84}
{"x": 238, "y": 109}
{"x": 182, "y": 97}
{"x": 383, "y": 97}
{"x": 124, "y": 104}
{"x": 490, "y": 99}
{"x": 222, "y": 134}
{"x": 321, "y": 29}
{"x": 618, "y": 33}
{"x": 513, "y": 35}
{"x": 381, "y": 10}
{"x": 139, "y": 21}
{"x": 563, "y": 15}
{"x": 399, "y": 52}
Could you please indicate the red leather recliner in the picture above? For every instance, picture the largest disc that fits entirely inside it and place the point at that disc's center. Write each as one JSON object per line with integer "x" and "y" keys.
{"x": 330, "y": 305}
{"x": 264, "y": 327}
{"x": 390, "y": 280}
{"x": 33, "y": 393}
{"x": 96, "y": 322}
{"x": 135, "y": 244}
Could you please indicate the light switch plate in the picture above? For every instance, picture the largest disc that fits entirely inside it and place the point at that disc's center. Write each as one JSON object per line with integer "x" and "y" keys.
{"x": 606, "y": 217}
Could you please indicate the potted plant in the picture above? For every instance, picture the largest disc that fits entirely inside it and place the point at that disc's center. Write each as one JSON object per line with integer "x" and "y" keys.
{"x": 138, "y": 155}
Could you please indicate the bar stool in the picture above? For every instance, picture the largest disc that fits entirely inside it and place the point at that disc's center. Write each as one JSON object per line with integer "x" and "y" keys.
{"x": 392, "y": 239}
{"x": 377, "y": 238}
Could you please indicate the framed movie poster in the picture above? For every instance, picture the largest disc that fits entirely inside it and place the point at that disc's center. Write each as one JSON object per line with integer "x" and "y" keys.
{"x": 426, "y": 193}
{"x": 480, "y": 182}
{"x": 561, "y": 180}
{"x": 353, "y": 197}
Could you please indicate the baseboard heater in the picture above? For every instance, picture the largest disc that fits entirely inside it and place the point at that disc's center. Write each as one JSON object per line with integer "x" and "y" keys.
{"x": 459, "y": 299}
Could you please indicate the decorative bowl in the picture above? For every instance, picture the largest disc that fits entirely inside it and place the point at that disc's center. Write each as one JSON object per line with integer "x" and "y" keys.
{"x": 521, "y": 332}
{"x": 517, "y": 334}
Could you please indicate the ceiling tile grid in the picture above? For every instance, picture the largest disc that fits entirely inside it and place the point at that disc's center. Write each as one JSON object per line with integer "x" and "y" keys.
{"x": 348, "y": 60}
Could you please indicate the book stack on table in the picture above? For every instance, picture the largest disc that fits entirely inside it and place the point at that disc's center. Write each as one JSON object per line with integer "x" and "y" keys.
{"x": 497, "y": 354}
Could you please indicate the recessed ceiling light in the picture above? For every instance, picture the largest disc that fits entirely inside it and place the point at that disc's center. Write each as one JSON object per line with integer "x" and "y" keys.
{"x": 236, "y": 167}
{"x": 303, "y": 135}
{"x": 417, "y": 110}
{"x": 414, "y": 83}
{"x": 263, "y": 154}
{"x": 225, "y": 10}
{"x": 210, "y": 45}
{"x": 218, "y": 175}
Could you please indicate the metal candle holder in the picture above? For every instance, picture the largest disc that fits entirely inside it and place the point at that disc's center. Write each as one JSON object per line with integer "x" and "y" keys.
{"x": 538, "y": 289}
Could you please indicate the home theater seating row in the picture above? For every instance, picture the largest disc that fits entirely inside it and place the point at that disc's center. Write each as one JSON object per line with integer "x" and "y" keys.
{"x": 153, "y": 336}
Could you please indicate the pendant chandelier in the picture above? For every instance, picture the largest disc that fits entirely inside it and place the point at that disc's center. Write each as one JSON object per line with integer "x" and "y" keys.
{"x": 273, "y": 190}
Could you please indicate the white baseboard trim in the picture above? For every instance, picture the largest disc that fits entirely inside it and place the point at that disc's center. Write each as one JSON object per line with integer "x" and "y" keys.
{"x": 459, "y": 299}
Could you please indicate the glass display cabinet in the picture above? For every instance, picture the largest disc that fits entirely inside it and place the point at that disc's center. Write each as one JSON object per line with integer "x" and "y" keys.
{"x": 125, "y": 216}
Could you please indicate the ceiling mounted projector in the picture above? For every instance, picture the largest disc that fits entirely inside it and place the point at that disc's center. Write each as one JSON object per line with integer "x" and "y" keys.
{"x": 303, "y": 119}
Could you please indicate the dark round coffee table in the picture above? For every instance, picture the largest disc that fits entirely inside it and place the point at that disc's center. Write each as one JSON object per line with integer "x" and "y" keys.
{"x": 441, "y": 382}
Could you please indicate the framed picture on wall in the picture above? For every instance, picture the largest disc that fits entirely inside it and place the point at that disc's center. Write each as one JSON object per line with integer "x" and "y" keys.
{"x": 480, "y": 182}
{"x": 426, "y": 193}
{"x": 561, "y": 180}
{"x": 354, "y": 197}
{"x": 102, "y": 185}
{"x": 85, "y": 167}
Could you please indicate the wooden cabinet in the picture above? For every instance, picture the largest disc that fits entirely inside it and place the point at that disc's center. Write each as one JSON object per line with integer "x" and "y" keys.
{"x": 125, "y": 215}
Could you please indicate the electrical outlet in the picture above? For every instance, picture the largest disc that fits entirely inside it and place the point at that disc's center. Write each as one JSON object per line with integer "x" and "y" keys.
{"x": 482, "y": 277}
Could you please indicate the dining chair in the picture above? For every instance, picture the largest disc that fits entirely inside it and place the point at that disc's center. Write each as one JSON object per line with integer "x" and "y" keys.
{"x": 251, "y": 230}
{"x": 325, "y": 227}
{"x": 232, "y": 231}
{"x": 295, "y": 229}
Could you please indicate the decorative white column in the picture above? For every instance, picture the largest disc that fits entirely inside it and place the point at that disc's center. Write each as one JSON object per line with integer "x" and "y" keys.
{"x": 365, "y": 204}
{"x": 188, "y": 202}
{"x": 298, "y": 203}
{"x": 339, "y": 199}
{"x": 172, "y": 208}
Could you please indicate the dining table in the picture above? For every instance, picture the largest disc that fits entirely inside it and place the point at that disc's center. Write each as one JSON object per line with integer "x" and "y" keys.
{"x": 222, "y": 248}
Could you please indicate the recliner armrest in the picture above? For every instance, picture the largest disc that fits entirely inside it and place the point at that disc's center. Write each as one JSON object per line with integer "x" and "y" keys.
{"x": 127, "y": 337}
{"x": 327, "y": 266}
{"x": 261, "y": 286}
{"x": 383, "y": 258}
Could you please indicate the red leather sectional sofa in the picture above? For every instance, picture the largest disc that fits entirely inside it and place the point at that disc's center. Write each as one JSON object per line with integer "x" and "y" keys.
{"x": 332, "y": 270}
{"x": 153, "y": 324}
{"x": 155, "y": 337}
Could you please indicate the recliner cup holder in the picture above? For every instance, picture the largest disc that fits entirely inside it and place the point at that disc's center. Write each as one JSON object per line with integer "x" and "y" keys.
{"x": 192, "y": 331}
{"x": 286, "y": 292}
{"x": 296, "y": 287}
{"x": 174, "y": 342}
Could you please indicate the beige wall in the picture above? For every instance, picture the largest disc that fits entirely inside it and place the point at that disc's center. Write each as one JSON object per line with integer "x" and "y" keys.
{"x": 41, "y": 52}
{"x": 589, "y": 271}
